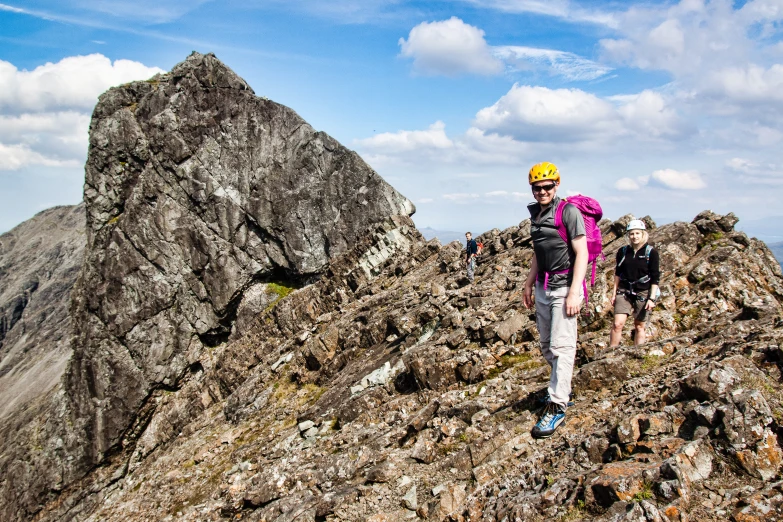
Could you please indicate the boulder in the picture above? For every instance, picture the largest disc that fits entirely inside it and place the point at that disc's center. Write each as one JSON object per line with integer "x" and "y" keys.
{"x": 603, "y": 373}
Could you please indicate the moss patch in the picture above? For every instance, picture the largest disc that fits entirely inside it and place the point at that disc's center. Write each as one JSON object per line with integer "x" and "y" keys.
{"x": 521, "y": 362}
{"x": 281, "y": 291}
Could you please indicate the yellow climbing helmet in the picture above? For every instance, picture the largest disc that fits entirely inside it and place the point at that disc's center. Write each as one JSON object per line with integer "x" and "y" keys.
{"x": 543, "y": 171}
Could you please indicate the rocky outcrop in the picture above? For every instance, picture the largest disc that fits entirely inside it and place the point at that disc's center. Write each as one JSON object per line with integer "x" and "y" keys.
{"x": 39, "y": 262}
{"x": 198, "y": 195}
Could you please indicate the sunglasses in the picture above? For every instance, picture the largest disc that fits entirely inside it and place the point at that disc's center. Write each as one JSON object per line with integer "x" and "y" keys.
{"x": 543, "y": 188}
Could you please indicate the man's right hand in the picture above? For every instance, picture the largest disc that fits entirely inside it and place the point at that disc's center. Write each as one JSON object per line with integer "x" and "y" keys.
{"x": 527, "y": 296}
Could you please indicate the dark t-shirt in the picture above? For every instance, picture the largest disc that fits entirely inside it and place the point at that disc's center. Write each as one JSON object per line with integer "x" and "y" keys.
{"x": 470, "y": 248}
{"x": 552, "y": 253}
{"x": 635, "y": 267}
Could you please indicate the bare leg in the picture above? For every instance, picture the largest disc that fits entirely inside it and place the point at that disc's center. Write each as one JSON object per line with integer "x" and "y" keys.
{"x": 617, "y": 330}
{"x": 641, "y": 335}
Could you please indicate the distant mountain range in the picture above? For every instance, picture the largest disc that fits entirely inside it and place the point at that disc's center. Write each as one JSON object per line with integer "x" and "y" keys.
{"x": 444, "y": 236}
{"x": 777, "y": 250}
{"x": 768, "y": 230}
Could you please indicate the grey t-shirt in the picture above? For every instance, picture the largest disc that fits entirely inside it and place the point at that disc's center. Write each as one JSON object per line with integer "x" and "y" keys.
{"x": 552, "y": 253}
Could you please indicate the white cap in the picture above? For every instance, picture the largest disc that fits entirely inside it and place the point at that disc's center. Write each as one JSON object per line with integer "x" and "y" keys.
{"x": 635, "y": 224}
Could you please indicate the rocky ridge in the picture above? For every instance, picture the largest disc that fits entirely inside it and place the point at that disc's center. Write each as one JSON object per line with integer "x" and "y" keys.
{"x": 410, "y": 394}
{"x": 204, "y": 204}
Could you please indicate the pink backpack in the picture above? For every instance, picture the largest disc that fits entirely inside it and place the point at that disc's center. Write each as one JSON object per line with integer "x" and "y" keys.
{"x": 591, "y": 213}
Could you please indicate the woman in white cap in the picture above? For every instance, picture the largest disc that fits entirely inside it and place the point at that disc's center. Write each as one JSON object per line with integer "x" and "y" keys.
{"x": 636, "y": 277}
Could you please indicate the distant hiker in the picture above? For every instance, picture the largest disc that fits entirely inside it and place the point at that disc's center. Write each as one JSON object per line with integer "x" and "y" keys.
{"x": 471, "y": 252}
{"x": 557, "y": 271}
{"x": 636, "y": 276}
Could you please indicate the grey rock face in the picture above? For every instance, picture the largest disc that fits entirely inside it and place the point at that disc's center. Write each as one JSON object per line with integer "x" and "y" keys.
{"x": 39, "y": 262}
{"x": 198, "y": 193}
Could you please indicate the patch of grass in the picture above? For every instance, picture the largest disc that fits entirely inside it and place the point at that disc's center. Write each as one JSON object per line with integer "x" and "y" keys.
{"x": 520, "y": 362}
{"x": 113, "y": 220}
{"x": 309, "y": 393}
{"x": 284, "y": 388}
{"x": 280, "y": 290}
{"x": 445, "y": 449}
{"x": 576, "y": 512}
{"x": 687, "y": 318}
{"x": 645, "y": 493}
{"x": 289, "y": 422}
{"x": 650, "y": 362}
{"x": 760, "y": 383}
{"x": 463, "y": 437}
{"x": 710, "y": 238}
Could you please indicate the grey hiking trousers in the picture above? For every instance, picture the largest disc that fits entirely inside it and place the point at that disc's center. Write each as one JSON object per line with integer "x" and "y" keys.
{"x": 558, "y": 339}
{"x": 471, "y": 268}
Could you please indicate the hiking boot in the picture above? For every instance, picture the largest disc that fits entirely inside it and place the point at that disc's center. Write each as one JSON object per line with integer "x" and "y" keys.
{"x": 552, "y": 417}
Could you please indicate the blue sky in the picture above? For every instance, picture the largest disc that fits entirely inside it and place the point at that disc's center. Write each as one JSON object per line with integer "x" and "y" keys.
{"x": 660, "y": 108}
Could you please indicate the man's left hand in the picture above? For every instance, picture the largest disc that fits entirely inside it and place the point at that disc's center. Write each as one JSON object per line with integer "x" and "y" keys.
{"x": 573, "y": 304}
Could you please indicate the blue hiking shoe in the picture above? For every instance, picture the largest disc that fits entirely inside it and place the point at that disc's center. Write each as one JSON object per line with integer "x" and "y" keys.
{"x": 552, "y": 417}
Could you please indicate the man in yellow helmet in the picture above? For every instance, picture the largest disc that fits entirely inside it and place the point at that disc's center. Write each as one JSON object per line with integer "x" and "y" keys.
{"x": 556, "y": 278}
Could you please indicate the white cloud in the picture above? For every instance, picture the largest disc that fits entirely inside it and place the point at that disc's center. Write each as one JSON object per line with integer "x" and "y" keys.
{"x": 14, "y": 157}
{"x": 663, "y": 178}
{"x": 553, "y": 115}
{"x": 533, "y": 119}
{"x": 563, "y": 9}
{"x": 461, "y": 197}
{"x": 762, "y": 11}
{"x": 74, "y": 82}
{"x": 649, "y": 114}
{"x": 568, "y": 65}
{"x": 748, "y": 84}
{"x": 756, "y": 171}
{"x": 149, "y": 11}
{"x": 678, "y": 180}
{"x": 403, "y": 141}
{"x": 45, "y": 113}
{"x": 627, "y": 184}
{"x": 11, "y": 9}
{"x": 450, "y": 47}
{"x": 496, "y": 193}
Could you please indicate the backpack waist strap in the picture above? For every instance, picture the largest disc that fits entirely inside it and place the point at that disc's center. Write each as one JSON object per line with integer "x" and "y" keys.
{"x": 546, "y": 280}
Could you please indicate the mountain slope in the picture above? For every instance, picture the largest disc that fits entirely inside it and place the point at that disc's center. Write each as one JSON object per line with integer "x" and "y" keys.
{"x": 412, "y": 393}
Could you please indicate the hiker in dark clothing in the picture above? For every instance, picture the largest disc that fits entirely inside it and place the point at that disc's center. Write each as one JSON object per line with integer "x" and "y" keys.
{"x": 471, "y": 251}
{"x": 636, "y": 277}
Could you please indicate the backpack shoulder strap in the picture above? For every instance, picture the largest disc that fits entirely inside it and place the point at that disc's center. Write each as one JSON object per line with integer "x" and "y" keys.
{"x": 559, "y": 220}
{"x": 623, "y": 250}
